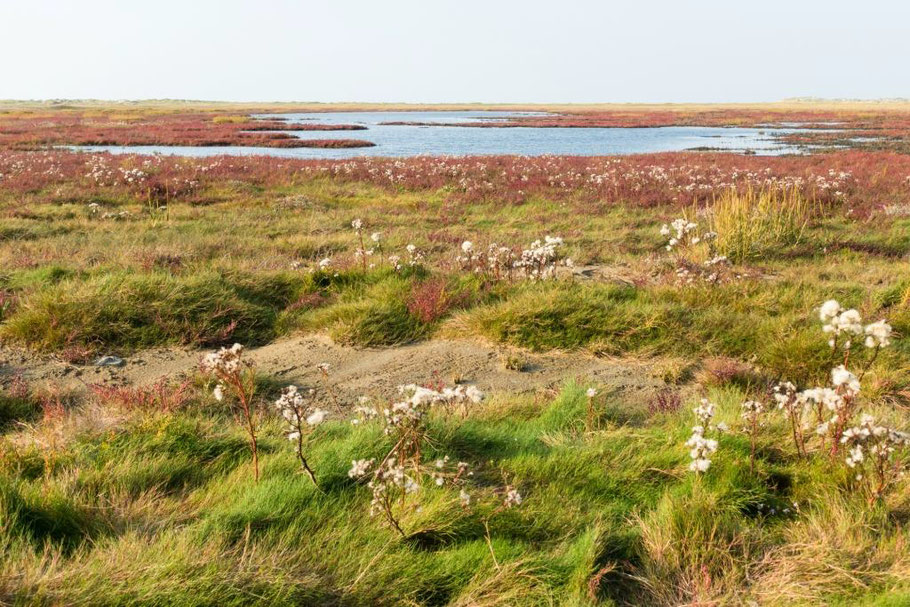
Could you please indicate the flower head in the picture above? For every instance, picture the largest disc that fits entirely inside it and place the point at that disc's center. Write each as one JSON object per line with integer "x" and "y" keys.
{"x": 878, "y": 334}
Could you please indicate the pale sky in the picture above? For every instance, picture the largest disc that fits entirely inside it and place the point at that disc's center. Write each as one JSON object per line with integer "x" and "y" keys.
{"x": 454, "y": 50}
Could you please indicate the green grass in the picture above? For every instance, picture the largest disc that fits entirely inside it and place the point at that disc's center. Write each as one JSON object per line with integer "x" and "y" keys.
{"x": 103, "y": 505}
{"x": 773, "y": 324}
{"x": 218, "y": 270}
{"x": 123, "y": 310}
{"x": 162, "y": 508}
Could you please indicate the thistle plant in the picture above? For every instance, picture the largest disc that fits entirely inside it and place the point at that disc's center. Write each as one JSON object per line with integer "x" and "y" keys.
{"x": 376, "y": 238}
{"x": 834, "y": 406}
{"x": 845, "y": 325}
{"x": 681, "y": 234}
{"x": 391, "y": 482}
{"x": 469, "y": 260}
{"x": 301, "y": 418}
{"x": 405, "y": 420}
{"x": 500, "y": 261}
{"x": 236, "y": 378}
{"x": 842, "y": 399}
{"x": 510, "y": 498}
{"x": 539, "y": 261}
{"x": 415, "y": 256}
{"x": 794, "y": 407}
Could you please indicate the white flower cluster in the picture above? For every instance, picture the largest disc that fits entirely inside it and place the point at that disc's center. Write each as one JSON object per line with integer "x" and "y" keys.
{"x": 680, "y": 232}
{"x": 752, "y": 411}
{"x": 419, "y": 399}
{"x": 868, "y": 438}
{"x": 700, "y": 446}
{"x": 469, "y": 258}
{"x": 878, "y": 334}
{"x": 415, "y": 257}
{"x": 838, "y": 321}
{"x": 360, "y": 467}
{"x": 223, "y": 364}
{"x": 225, "y": 360}
{"x": 834, "y": 403}
{"x": 294, "y": 408}
{"x": 539, "y": 261}
{"x": 442, "y": 472}
{"x": 402, "y": 471}
{"x": 513, "y": 497}
{"x": 833, "y": 406}
{"x": 389, "y": 479}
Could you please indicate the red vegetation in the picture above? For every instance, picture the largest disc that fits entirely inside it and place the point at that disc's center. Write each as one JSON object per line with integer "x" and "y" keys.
{"x": 665, "y": 401}
{"x": 431, "y": 300}
{"x": 162, "y": 396}
{"x": 865, "y": 180}
{"x": 278, "y": 125}
{"x": 326, "y": 143}
{"x": 27, "y": 132}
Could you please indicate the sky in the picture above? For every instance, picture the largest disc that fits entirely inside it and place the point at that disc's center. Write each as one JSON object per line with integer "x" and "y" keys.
{"x": 577, "y": 51}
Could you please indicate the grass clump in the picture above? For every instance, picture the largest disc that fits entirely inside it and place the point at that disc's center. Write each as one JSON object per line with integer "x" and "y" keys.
{"x": 754, "y": 223}
{"x": 128, "y": 311}
{"x": 388, "y": 308}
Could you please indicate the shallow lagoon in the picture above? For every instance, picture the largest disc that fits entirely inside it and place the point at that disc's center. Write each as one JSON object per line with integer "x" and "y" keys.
{"x": 413, "y": 140}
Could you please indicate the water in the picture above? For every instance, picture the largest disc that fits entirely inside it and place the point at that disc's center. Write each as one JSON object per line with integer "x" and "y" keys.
{"x": 409, "y": 140}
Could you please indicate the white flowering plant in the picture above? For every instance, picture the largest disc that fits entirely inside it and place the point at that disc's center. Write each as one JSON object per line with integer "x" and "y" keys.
{"x": 301, "y": 417}
{"x": 753, "y": 417}
{"x": 402, "y": 471}
{"x": 391, "y": 482}
{"x": 538, "y": 261}
{"x": 694, "y": 253}
{"x": 235, "y": 378}
{"x": 877, "y": 454}
{"x": 701, "y": 444}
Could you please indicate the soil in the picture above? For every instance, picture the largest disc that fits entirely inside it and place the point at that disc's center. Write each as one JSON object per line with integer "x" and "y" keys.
{"x": 354, "y": 371}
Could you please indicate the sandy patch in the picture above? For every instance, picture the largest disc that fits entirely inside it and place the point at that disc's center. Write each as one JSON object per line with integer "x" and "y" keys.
{"x": 354, "y": 371}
